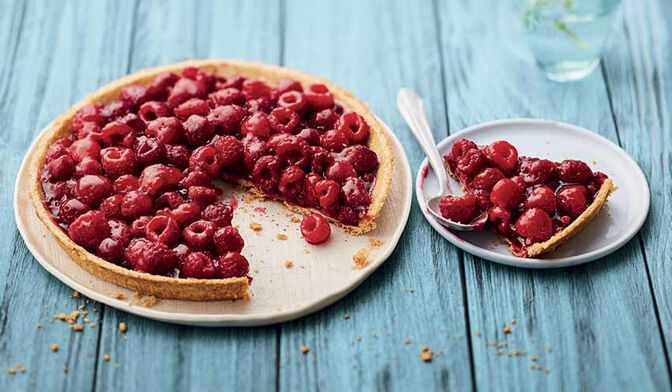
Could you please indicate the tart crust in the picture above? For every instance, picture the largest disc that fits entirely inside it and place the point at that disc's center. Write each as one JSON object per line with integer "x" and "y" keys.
{"x": 203, "y": 289}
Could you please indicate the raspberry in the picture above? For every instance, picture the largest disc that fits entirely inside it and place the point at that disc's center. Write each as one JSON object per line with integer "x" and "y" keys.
{"x": 541, "y": 197}
{"x": 169, "y": 199}
{"x": 283, "y": 120}
{"x": 117, "y": 161}
{"x": 292, "y": 150}
{"x": 88, "y": 166}
{"x": 347, "y": 215}
{"x": 138, "y": 226}
{"x": 318, "y": 97}
{"x": 500, "y": 219}
{"x": 460, "y": 148}
{"x": 111, "y": 207}
{"x": 151, "y": 257}
{"x": 195, "y": 178}
{"x": 266, "y": 173}
{"x": 355, "y": 193}
{"x": 119, "y": 231}
{"x": 161, "y": 83}
{"x": 538, "y": 171}
{"x": 202, "y": 195}
{"x": 150, "y": 111}
{"x": 461, "y": 209}
{"x": 310, "y": 197}
{"x": 315, "y": 229}
{"x": 505, "y": 194}
{"x": 235, "y": 82}
{"x": 340, "y": 171}
{"x": 58, "y": 149}
{"x": 534, "y": 225}
{"x": 324, "y": 119}
{"x": 186, "y": 213}
{"x": 362, "y": 158}
{"x": 334, "y": 140}
{"x": 254, "y": 89}
{"x": 182, "y": 251}
{"x": 90, "y": 130}
{"x": 198, "y": 235}
{"x": 261, "y": 105}
{"x": 89, "y": 229}
{"x": 220, "y": 214}
{"x": 162, "y": 229}
{"x": 572, "y": 200}
{"x": 198, "y": 265}
{"x": 61, "y": 168}
{"x": 114, "y": 109}
{"x": 487, "y": 179}
{"x": 197, "y": 130}
{"x": 256, "y": 125}
{"x": 328, "y": 193}
{"x": 88, "y": 114}
{"x": 286, "y": 85}
{"x": 185, "y": 89}
{"x": 135, "y": 122}
{"x": 92, "y": 189}
{"x": 503, "y": 155}
{"x": 253, "y": 149}
{"x": 205, "y": 159}
{"x": 226, "y": 119}
{"x": 158, "y": 178}
{"x": 471, "y": 162}
{"x": 321, "y": 160}
{"x": 228, "y": 239}
{"x": 69, "y": 210}
{"x": 291, "y": 183}
{"x": 233, "y": 265}
{"x": 178, "y": 155}
{"x": 110, "y": 250}
{"x": 293, "y": 100}
{"x": 86, "y": 147}
{"x": 576, "y": 172}
{"x": 310, "y": 135}
{"x": 134, "y": 95}
{"x": 125, "y": 184}
{"x": 135, "y": 204}
{"x": 227, "y": 96}
{"x": 193, "y": 106}
{"x": 353, "y": 125}
{"x": 167, "y": 130}
{"x": 150, "y": 151}
{"x": 116, "y": 133}
{"x": 229, "y": 148}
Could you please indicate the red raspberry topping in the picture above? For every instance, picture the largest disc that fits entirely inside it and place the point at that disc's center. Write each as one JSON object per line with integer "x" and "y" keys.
{"x": 353, "y": 125}
{"x": 86, "y": 147}
{"x": 88, "y": 166}
{"x": 135, "y": 204}
{"x": 500, "y": 219}
{"x": 255, "y": 89}
{"x": 538, "y": 171}
{"x": 233, "y": 265}
{"x": 283, "y": 120}
{"x": 461, "y": 209}
{"x": 227, "y": 96}
{"x": 202, "y": 195}
{"x": 328, "y": 193}
{"x": 315, "y": 229}
{"x": 230, "y": 150}
{"x": 487, "y": 179}
{"x": 287, "y": 85}
{"x": 294, "y": 101}
{"x": 117, "y": 161}
{"x": 125, "y": 184}
{"x": 292, "y": 150}
{"x": 471, "y": 162}
{"x": 534, "y": 225}
{"x": 198, "y": 235}
{"x": 197, "y": 130}
{"x": 459, "y": 148}
{"x": 334, "y": 140}
{"x": 151, "y": 257}
{"x": 577, "y": 172}
{"x": 572, "y": 200}
{"x": 205, "y": 159}
{"x": 150, "y": 151}
{"x": 310, "y": 135}
{"x": 178, "y": 156}
{"x": 138, "y": 226}
{"x": 340, "y": 171}
{"x": 228, "y": 239}
{"x": 266, "y": 173}
{"x": 355, "y": 193}
{"x": 89, "y": 229}
{"x": 169, "y": 200}
{"x": 163, "y": 229}
{"x": 220, "y": 214}
{"x": 111, "y": 207}
{"x": 195, "y": 178}
{"x": 195, "y": 106}
{"x": 150, "y": 111}
{"x": 226, "y": 119}
{"x": 69, "y": 210}
{"x": 256, "y": 125}
{"x": 156, "y": 179}
{"x": 503, "y": 155}
{"x": 119, "y": 231}
{"x": 362, "y": 158}
{"x": 186, "y": 213}
{"x": 324, "y": 119}
{"x": 291, "y": 183}
{"x": 92, "y": 189}
{"x": 318, "y": 97}
{"x": 505, "y": 194}
{"x": 167, "y": 130}
{"x": 541, "y": 197}
{"x": 185, "y": 89}
{"x": 117, "y": 134}
{"x": 198, "y": 265}
{"x": 61, "y": 168}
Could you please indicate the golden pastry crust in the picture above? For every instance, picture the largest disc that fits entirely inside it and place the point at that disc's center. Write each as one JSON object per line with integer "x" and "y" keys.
{"x": 201, "y": 289}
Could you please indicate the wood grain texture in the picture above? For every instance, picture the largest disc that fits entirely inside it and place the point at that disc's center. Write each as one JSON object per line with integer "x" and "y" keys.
{"x": 50, "y": 67}
{"x": 159, "y": 356}
{"x": 639, "y": 81}
{"x": 417, "y": 294}
{"x": 590, "y": 316}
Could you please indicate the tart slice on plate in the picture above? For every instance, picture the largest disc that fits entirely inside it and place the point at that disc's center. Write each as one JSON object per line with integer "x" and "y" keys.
{"x": 124, "y": 179}
{"x": 533, "y": 204}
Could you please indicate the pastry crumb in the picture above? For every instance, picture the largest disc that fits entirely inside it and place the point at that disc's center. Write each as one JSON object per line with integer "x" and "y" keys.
{"x": 361, "y": 258}
{"x": 534, "y": 358}
{"x": 306, "y": 250}
{"x": 513, "y": 321}
{"x": 106, "y": 357}
{"x": 477, "y": 333}
{"x": 54, "y": 347}
{"x": 11, "y": 371}
{"x": 255, "y": 226}
{"x": 506, "y": 329}
{"x": 304, "y": 349}
{"x": 281, "y": 236}
{"x": 21, "y": 368}
{"x": 76, "y": 294}
{"x": 289, "y": 264}
{"x": 122, "y": 327}
{"x": 375, "y": 242}
{"x": 118, "y": 296}
{"x": 146, "y": 301}
{"x": 39, "y": 325}
{"x": 65, "y": 369}
{"x": 294, "y": 219}
{"x": 426, "y": 354}
{"x": 408, "y": 341}
{"x": 346, "y": 316}
{"x": 78, "y": 327}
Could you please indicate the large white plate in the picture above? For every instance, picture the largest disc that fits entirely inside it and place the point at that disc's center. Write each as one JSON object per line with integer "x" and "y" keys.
{"x": 321, "y": 275}
{"x": 617, "y": 223}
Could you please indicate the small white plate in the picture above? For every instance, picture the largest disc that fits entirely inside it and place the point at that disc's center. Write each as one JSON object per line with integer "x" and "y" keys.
{"x": 617, "y": 223}
{"x": 320, "y": 276}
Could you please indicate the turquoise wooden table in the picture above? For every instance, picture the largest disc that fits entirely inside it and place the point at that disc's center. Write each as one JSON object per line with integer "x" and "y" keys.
{"x": 606, "y": 325}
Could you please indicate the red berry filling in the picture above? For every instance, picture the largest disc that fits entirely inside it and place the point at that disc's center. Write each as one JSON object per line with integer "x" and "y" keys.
{"x": 134, "y": 182}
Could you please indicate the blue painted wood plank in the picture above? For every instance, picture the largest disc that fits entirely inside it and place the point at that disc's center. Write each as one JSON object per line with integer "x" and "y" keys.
{"x": 49, "y": 67}
{"x": 640, "y": 85}
{"x": 373, "y": 49}
{"x": 159, "y": 356}
{"x": 598, "y": 319}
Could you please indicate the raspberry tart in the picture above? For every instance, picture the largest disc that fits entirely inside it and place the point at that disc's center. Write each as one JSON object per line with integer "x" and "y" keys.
{"x": 124, "y": 179}
{"x": 533, "y": 204}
